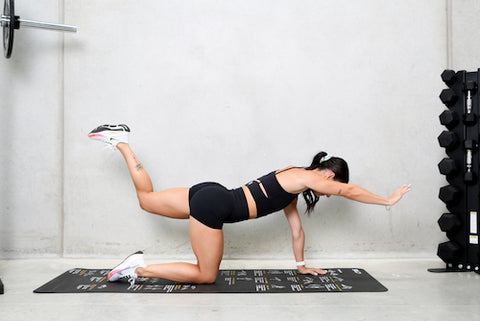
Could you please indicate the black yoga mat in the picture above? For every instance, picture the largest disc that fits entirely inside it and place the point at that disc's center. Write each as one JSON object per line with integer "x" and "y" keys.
{"x": 80, "y": 280}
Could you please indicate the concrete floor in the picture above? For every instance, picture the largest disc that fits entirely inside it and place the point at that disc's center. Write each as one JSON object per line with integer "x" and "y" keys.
{"x": 414, "y": 294}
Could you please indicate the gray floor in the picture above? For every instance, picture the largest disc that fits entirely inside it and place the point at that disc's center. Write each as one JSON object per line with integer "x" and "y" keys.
{"x": 414, "y": 294}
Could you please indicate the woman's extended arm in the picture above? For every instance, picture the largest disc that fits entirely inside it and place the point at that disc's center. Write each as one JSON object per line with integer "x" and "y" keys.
{"x": 298, "y": 238}
{"x": 354, "y": 192}
{"x": 360, "y": 194}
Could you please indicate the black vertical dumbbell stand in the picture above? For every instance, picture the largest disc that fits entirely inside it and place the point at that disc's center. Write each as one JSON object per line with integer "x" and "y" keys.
{"x": 461, "y": 168}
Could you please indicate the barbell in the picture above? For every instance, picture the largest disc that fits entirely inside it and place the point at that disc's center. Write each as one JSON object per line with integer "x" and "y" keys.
{"x": 10, "y": 22}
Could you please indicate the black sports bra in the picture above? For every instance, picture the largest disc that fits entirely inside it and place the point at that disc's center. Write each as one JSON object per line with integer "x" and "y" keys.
{"x": 277, "y": 198}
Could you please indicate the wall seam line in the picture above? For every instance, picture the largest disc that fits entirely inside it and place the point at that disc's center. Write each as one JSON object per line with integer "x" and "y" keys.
{"x": 62, "y": 134}
{"x": 449, "y": 33}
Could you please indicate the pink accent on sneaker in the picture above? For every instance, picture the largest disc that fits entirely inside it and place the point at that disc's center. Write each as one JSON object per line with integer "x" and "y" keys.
{"x": 112, "y": 273}
{"x": 95, "y": 135}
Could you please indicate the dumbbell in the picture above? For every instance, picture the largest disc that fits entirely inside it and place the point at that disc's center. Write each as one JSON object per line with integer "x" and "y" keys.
{"x": 448, "y": 140}
{"x": 10, "y": 22}
{"x": 449, "y": 194}
{"x": 449, "y": 118}
{"x": 449, "y": 77}
{"x": 449, "y": 222}
{"x": 470, "y": 88}
{"x": 470, "y": 146}
{"x": 449, "y": 251}
{"x": 448, "y": 97}
{"x": 447, "y": 166}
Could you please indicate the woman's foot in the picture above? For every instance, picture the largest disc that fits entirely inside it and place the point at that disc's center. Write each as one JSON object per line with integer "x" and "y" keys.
{"x": 126, "y": 269}
{"x": 111, "y": 134}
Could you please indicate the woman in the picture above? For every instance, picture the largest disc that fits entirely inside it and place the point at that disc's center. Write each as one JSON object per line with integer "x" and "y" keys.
{"x": 209, "y": 205}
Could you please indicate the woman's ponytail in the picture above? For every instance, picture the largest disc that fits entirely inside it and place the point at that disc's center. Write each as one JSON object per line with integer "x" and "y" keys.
{"x": 324, "y": 161}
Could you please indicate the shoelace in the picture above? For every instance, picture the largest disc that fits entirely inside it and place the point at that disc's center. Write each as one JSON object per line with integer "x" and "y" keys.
{"x": 131, "y": 278}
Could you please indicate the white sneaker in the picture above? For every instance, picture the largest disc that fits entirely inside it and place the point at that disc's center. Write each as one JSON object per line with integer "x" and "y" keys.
{"x": 126, "y": 269}
{"x": 111, "y": 134}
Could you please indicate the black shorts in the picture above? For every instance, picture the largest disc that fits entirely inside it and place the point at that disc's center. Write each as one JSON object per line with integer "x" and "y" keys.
{"x": 213, "y": 204}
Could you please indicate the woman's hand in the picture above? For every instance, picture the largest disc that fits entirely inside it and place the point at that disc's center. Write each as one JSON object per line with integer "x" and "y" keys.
{"x": 399, "y": 193}
{"x": 304, "y": 270}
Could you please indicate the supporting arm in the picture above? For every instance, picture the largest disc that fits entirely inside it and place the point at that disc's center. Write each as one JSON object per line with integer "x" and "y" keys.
{"x": 298, "y": 238}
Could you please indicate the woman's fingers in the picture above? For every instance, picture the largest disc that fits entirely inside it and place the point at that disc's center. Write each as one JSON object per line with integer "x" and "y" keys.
{"x": 313, "y": 271}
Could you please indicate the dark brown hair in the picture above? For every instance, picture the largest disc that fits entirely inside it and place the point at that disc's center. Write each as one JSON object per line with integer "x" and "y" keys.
{"x": 336, "y": 165}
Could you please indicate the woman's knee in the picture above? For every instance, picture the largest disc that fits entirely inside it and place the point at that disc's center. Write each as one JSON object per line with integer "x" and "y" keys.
{"x": 207, "y": 278}
{"x": 171, "y": 203}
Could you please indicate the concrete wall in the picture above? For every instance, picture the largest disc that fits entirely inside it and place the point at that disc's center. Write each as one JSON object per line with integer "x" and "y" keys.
{"x": 464, "y": 34}
{"x": 225, "y": 91}
{"x": 31, "y": 153}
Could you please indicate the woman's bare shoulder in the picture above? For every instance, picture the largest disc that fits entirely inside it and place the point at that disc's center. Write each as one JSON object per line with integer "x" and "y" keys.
{"x": 290, "y": 168}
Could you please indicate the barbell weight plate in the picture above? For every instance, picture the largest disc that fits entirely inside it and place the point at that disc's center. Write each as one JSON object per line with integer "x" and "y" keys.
{"x": 10, "y": 22}
{"x": 8, "y": 27}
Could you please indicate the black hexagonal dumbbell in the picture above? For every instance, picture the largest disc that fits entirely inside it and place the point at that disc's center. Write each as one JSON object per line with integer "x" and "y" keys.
{"x": 449, "y": 251}
{"x": 449, "y": 119}
{"x": 449, "y": 194}
{"x": 449, "y": 77}
{"x": 448, "y": 97}
{"x": 449, "y": 222}
{"x": 448, "y": 139}
{"x": 470, "y": 87}
{"x": 470, "y": 146}
{"x": 447, "y": 166}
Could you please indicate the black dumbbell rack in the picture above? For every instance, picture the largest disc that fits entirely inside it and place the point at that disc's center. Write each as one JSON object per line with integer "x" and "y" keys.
{"x": 461, "y": 168}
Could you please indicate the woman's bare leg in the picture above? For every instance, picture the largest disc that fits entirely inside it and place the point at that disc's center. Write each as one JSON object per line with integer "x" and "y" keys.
{"x": 171, "y": 202}
{"x": 207, "y": 244}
